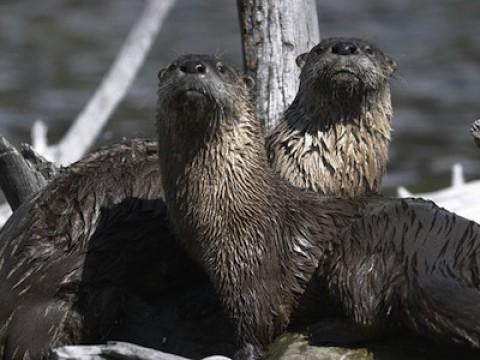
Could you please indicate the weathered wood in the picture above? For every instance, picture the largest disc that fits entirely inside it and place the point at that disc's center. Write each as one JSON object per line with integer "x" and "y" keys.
{"x": 38, "y": 163}
{"x": 274, "y": 33}
{"x": 17, "y": 179}
{"x": 116, "y": 350}
{"x": 41, "y": 169}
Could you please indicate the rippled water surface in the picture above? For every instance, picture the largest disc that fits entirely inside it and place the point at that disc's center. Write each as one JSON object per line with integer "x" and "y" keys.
{"x": 54, "y": 53}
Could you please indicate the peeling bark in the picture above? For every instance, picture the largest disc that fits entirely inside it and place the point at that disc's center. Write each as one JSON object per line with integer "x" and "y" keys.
{"x": 274, "y": 33}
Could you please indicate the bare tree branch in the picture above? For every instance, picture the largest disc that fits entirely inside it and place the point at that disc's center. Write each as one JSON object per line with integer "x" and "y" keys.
{"x": 111, "y": 91}
{"x": 274, "y": 33}
{"x": 92, "y": 119}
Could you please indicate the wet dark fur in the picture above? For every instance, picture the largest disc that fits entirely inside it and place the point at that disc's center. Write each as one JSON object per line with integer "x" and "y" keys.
{"x": 91, "y": 257}
{"x": 382, "y": 263}
{"x": 334, "y": 137}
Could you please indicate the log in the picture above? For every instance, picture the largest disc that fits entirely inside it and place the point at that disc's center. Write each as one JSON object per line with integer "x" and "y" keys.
{"x": 116, "y": 350}
{"x": 274, "y": 33}
{"x": 18, "y": 180}
{"x": 461, "y": 197}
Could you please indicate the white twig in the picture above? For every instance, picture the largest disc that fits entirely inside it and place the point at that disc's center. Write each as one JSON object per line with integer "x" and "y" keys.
{"x": 457, "y": 175}
{"x": 38, "y": 133}
{"x": 5, "y": 212}
{"x": 89, "y": 123}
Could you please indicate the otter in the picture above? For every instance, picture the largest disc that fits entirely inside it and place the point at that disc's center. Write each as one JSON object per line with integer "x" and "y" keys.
{"x": 383, "y": 264}
{"x": 91, "y": 258}
{"x": 334, "y": 137}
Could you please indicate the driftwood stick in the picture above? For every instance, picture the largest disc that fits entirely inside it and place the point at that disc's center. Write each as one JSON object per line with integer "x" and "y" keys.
{"x": 274, "y": 33}
{"x": 38, "y": 163}
{"x": 116, "y": 350}
{"x": 89, "y": 123}
{"x": 18, "y": 180}
{"x": 37, "y": 166}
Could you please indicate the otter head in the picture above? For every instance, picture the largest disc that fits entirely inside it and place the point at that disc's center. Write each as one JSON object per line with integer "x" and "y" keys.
{"x": 196, "y": 93}
{"x": 344, "y": 72}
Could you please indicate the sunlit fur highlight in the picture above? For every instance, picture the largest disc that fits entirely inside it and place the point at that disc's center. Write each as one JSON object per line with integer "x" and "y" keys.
{"x": 334, "y": 137}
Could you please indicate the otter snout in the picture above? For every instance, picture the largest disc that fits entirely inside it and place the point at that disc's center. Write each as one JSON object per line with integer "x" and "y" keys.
{"x": 345, "y": 48}
{"x": 344, "y": 68}
{"x": 197, "y": 88}
{"x": 194, "y": 66}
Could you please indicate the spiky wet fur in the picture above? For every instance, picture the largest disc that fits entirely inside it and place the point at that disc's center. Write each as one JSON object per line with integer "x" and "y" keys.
{"x": 334, "y": 137}
{"x": 383, "y": 263}
{"x": 235, "y": 224}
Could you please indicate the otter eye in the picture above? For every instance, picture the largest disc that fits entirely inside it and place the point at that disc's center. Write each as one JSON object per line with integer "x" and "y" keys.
{"x": 172, "y": 67}
{"x": 220, "y": 68}
{"x": 368, "y": 50}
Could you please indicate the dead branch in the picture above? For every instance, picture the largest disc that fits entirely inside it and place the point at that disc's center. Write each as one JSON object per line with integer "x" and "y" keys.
{"x": 89, "y": 123}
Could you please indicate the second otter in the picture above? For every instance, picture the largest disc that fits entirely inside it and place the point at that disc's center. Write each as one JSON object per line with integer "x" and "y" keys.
{"x": 334, "y": 137}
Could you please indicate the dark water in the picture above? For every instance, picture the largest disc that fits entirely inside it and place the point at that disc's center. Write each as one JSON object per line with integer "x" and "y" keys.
{"x": 54, "y": 52}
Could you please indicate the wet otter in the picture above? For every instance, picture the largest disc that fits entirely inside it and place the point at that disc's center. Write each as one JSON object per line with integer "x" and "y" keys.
{"x": 91, "y": 258}
{"x": 334, "y": 137}
{"x": 382, "y": 263}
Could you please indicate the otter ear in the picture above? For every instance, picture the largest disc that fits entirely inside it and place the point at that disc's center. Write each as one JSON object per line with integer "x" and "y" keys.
{"x": 392, "y": 65}
{"x": 301, "y": 60}
{"x": 249, "y": 81}
{"x": 161, "y": 73}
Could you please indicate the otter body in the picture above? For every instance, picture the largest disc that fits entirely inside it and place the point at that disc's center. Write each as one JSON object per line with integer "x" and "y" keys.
{"x": 334, "y": 137}
{"x": 91, "y": 258}
{"x": 55, "y": 251}
{"x": 383, "y": 263}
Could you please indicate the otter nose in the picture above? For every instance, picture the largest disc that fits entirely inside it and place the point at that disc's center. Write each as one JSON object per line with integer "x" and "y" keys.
{"x": 345, "y": 48}
{"x": 193, "y": 67}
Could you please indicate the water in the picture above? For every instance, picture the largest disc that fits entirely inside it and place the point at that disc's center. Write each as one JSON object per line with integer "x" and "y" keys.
{"x": 55, "y": 52}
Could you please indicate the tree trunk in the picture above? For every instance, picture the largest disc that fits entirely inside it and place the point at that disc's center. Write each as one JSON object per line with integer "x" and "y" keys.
{"x": 274, "y": 33}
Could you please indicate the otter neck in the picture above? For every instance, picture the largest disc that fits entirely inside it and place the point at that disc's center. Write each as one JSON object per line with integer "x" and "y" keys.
{"x": 234, "y": 215}
{"x": 324, "y": 112}
{"x": 335, "y": 148}
{"x": 213, "y": 189}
